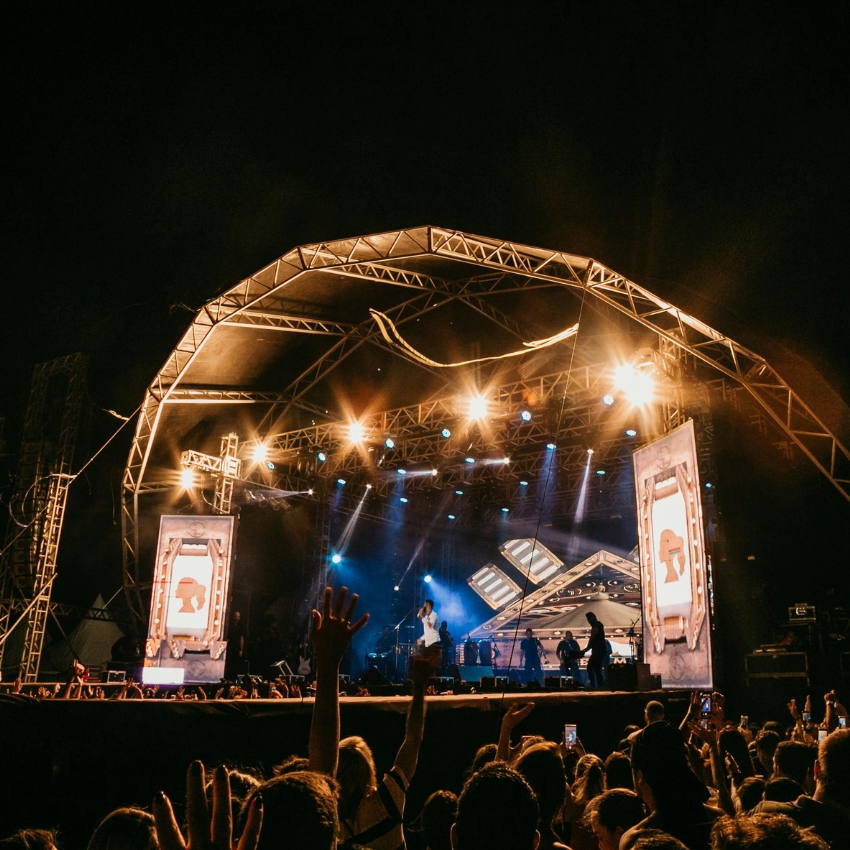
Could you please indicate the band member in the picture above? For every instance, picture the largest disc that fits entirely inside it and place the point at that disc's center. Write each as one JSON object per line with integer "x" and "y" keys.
{"x": 430, "y": 639}
{"x": 446, "y": 644}
{"x": 530, "y": 651}
{"x": 596, "y": 646}
{"x": 569, "y": 652}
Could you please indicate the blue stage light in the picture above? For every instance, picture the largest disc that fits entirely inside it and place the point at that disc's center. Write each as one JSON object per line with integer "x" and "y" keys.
{"x": 445, "y": 433}
{"x": 403, "y": 500}
{"x": 336, "y": 558}
{"x": 525, "y": 416}
{"x": 389, "y": 443}
{"x": 427, "y": 579}
{"x": 458, "y": 492}
{"x": 469, "y": 460}
{"x": 402, "y": 472}
{"x": 505, "y": 510}
{"x": 269, "y": 465}
{"x": 607, "y": 399}
{"x": 322, "y": 457}
{"x": 523, "y": 484}
{"x": 341, "y": 482}
{"x": 708, "y": 485}
{"x": 630, "y": 432}
{"x": 452, "y": 516}
{"x": 600, "y": 471}
{"x": 551, "y": 446}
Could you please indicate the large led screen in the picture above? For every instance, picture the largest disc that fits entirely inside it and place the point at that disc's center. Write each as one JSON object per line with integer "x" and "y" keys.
{"x": 673, "y": 566}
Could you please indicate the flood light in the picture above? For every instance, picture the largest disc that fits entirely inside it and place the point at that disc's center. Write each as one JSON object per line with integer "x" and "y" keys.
{"x": 321, "y": 457}
{"x": 452, "y": 516}
{"x": 261, "y": 452}
{"x": 187, "y": 479}
{"x": 551, "y": 446}
{"x": 445, "y": 433}
{"x": 630, "y": 432}
{"x": 355, "y": 432}
{"x": 341, "y": 482}
{"x": 403, "y": 500}
{"x": 389, "y": 443}
{"x": 336, "y": 558}
{"x": 427, "y": 578}
{"x": 525, "y": 415}
{"x": 477, "y": 407}
{"x": 607, "y": 399}
{"x": 469, "y": 460}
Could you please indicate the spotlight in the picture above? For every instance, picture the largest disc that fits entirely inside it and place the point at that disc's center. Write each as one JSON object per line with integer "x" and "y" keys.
{"x": 469, "y": 460}
{"x": 630, "y": 432}
{"x": 396, "y": 588}
{"x": 477, "y": 407}
{"x": 637, "y": 386}
{"x": 389, "y": 443}
{"x": 355, "y": 432}
{"x": 523, "y": 484}
{"x": 708, "y": 485}
{"x": 607, "y": 399}
{"x": 321, "y": 457}
{"x": 452, "y": 516}
{"x": 458, "y": 492}
{"x": 341, "y": 482}
{"x": 336, "y": 558}
{"x": 445, "y": 433}
{"x": 551, "y": 446}
{"x": 600, "y": 471}
{"x": 402, "y": 471}
{"x": 269, "y": 466}
{"x": 505, "y": 510}
{"x": 506, "y": 460}
{"x": 261, "y": 452}
{"x": 435, "y": 472}
{"x": 590, "y": 451}
{"x": 403, "y": 500}
{"x": 368, "y": 486}
{"x": 427, "y": 578}
{"x": 525, "y": 415}
{"x": 187, "y": 479}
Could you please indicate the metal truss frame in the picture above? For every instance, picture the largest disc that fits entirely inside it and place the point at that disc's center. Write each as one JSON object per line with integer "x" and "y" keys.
{"x": 502, "y": 266}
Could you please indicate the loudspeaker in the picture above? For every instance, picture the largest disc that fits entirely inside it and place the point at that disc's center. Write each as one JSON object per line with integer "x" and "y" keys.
{"x": 622, "y": 677}
{"x": 373, "y": 678}
{"x": 474, "y": 674}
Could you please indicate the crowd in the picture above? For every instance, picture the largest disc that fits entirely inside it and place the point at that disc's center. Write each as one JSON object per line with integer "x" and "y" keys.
{"x": 705, "y": 783}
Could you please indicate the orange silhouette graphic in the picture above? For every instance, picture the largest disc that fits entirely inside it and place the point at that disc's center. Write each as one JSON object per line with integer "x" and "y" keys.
{"x": 187, "y": 589}
{"x": 671, "y": 548}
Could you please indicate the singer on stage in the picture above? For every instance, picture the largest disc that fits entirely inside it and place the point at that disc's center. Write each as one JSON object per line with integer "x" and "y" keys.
{"x": 430, "y": 639}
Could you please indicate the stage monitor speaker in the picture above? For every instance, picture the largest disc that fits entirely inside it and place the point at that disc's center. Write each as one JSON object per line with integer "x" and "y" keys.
{"x": 373, "y": 678}
{"x": 474, "y": 673}
{"x": 622, "y": 677}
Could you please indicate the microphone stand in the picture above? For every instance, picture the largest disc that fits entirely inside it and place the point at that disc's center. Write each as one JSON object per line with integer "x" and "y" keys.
{"x": 397, "y": 630}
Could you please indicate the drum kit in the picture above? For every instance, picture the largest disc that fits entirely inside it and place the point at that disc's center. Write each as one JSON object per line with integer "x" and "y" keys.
{"x": 395, "y": 663}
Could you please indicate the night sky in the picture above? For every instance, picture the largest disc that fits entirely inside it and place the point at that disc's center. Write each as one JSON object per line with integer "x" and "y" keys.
{"x": 156, "y": 155}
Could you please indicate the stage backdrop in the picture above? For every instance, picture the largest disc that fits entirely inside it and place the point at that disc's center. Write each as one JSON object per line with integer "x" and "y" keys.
{"x": 674, "y": 578}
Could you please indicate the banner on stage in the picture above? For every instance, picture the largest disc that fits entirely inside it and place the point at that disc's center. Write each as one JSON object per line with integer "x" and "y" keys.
{"x": 675, "y": 584}
{"x": 189, "y": 599}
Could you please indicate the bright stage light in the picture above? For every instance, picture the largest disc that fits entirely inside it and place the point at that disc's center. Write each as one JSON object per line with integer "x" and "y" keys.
{"x": 321, "y": 457}
{"x": 341, "y": 482}
{"x": 525, "y": 415}
{"x": 636, "y": 385}
{"x": 600, "y": 471}
{"x": 452, "y": 516}
{"x": 395, "y": 588}
{"x": 607, "y": 399}
{"x": 187, "y": 479}
{"x": 630, "y": 432}
{"x": 590, "y": 451}
{"x": 402, "y": 471}
{"x": 336, "y": 558}
{"x": 389, "y": 443}
{"x": 355, "y": 432}
{"x": 269, "y": 466}
{"x": 505, "y": 510}
{"x": 523, "y": 484}
{"x": 458, "y": 492}
{"x": 403, "y": 500}
{"x": 469, "y": 460}
{"x": 551, "y": 446}
{"x": 435, "y": 472}
{"x": 708, "y": 485}
{"x": 445, "y": 433}
{"x": 427, "y": 578}
{"x": 368, "y": 486}
{"x": 477, "y": 407}
{"x": 261, "y": 452}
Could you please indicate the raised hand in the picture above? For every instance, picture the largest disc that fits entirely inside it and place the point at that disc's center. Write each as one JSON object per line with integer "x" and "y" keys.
{"x": 205, "y": 830}
{"x": 333, "y": 629}
{"x": 516, "y": 714}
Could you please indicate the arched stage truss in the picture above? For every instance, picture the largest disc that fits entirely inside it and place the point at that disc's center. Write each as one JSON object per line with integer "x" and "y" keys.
{"x": 290, "y": 356}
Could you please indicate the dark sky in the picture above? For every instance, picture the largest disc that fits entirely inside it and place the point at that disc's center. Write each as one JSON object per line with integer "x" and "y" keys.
{"x": 155, "y": 155}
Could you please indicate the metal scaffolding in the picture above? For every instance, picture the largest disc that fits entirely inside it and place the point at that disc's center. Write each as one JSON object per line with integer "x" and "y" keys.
{"x": 28, "y": 566}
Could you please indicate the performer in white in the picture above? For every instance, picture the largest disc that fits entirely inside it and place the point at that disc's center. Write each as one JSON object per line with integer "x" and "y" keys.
{"x": 429, "y": 623}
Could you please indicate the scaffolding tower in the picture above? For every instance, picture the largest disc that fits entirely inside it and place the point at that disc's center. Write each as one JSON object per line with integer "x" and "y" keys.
{"x": 28, "y": 564}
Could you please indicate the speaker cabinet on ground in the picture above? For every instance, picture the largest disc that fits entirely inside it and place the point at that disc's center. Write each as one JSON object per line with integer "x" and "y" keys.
{"x": 474, "y": 673}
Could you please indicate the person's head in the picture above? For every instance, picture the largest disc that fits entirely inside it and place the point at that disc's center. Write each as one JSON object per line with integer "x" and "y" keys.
{"x": 437, "y": 818}
{"x": 656, "y": 839}
{"x": 237, "y": 616}
{"x": 774, "y": 726}
{"x": 782, "y": 789}
{"x": 30, "y": 839}
{"x": 485, "y": 755}
{"x": 568, "y": 635}
{"x": 733, "y": 743}
{"x": 796, "y": 760}
{"x": 496, "y": 810}
{"x": 612, "y": 813}
{"x": 542, "y": 768}
{"x": 528, "y": 633}
{"x": 662, "y": 774}
{"x": 591, "y": 618}
{"x": 653, "y": 712}
{"x": 299, "y": 810}
{"x": 766, "y": 744}
{"x": 750, "y": 794}
{"x": 356, "y": 774}
{"x": 386, "y": 631}
{"x": 763, "y": 832}
{"x": 242, "y": 783}
{"x": 832, "y": 769}
{"x": 589, "y": 779}
{"x": 618, "y": 771}
{"x": 289, "y": 765}
{"x": 429, "y": 606}
{"x": 444, "y": 626}
{"x": 125, "y": 829}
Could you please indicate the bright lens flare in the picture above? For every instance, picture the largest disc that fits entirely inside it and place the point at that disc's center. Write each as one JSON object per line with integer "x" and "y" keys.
{"x": 261, "y": 452}
{"x": 187, "y": 479}
{"x": 637, "y": 386}
{"x": 477, "y": 407}
{"x": 355, "y": 432}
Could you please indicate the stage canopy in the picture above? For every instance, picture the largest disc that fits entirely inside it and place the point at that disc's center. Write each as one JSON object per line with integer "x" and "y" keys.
{"x": 316, "y": 386}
